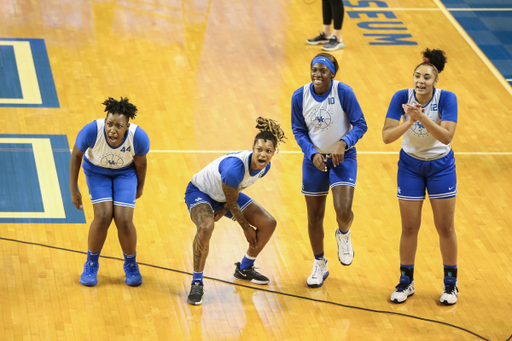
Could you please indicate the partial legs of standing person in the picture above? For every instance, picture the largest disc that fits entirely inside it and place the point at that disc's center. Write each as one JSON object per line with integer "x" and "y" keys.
{"x": 332, "y": 10}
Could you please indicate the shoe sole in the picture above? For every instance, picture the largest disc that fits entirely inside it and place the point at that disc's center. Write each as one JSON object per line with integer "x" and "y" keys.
{"x": 194, "y": 303}
{"x": 317, "y": 42}
{"x": 398, "y": 302}
{"x": 353, "y": 255}
{"x": 255, "y": 281}
{"x": 333, "y": 48}
{"x": 318, "y": 285}
{"x": 448, "y": 303}
{"x": 134, "y": 284}
{"x": 88, "y": 285}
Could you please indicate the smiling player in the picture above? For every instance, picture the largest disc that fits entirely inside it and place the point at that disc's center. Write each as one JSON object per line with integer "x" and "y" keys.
{"x": 114, "y": 161}
{"x": 429, "y": 119}
{"x": 216, "y": 191}
{"x": 327, "y": 122}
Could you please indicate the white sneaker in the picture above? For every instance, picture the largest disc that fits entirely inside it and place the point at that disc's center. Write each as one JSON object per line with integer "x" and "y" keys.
{"x": 319, "y": 274}
{"x": 402, "y": 291}
{"x": 345, "y": 250}
{"x": 450, "y": 293}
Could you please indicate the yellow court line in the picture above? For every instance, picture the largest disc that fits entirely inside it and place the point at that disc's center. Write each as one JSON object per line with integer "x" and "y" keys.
{"x": 475, "y": 47}
{"x": 26, "y": 72}
{"x": 48, "y": 180}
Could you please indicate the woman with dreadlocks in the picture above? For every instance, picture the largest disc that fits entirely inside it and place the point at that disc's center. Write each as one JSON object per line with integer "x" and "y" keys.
{"x": 216, "y": 191}
{"x": 114, "y": 161}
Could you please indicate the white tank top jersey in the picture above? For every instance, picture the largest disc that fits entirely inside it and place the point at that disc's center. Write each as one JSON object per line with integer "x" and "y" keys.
{"x": 326, "y": 121}
{"x": 417, "y": 141}
{"x": 208, "y": 180}
{"x": 103, "y": 155}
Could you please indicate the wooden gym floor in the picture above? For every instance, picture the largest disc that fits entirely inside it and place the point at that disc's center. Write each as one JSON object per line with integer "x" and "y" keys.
{"x": 200, "y": 73}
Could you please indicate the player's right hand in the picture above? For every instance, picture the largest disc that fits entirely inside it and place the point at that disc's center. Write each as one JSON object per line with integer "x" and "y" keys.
{"x": 250, "y": 235}
{"x": 76, "y": 197}
{"x": 319, "y": 162}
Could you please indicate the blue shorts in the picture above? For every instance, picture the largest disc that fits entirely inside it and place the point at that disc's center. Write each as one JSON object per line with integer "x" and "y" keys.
{"x": 122, "y": 189}
{"x": 194, "y": 197}
{"x": 317, "y": 183}
{"x": 437, "y": 176}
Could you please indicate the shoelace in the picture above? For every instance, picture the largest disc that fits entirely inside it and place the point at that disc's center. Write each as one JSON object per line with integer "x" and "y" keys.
{"x": 449, "y": 288}
{"x": 317, "y": 270}
{"x": 344, "y": 245}
{"x": 196, "y": 289}
{"x": 402, "y": 286}
{"x": 89, "y": 267}
{"x": 132, "y": 269}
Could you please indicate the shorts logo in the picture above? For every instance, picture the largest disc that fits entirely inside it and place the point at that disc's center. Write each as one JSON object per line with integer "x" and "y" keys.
{"x": 450, "y": 188}
{"x": 399, "y": 190}
{"x": 199, "y": 198}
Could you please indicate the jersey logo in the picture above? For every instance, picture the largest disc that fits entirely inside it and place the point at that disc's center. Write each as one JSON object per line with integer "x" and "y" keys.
{"x": 419, "y": 130}
{"x": 112, "y": 160}
{"x": 322, "y": 119}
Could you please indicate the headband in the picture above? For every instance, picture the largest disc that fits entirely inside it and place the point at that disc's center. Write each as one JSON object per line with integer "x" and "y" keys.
{"x": 427, "y": 60}
{"x": 326, "y": 62}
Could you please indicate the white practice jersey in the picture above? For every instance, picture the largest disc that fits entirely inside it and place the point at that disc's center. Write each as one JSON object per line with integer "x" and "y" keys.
{"x": 103, "y": 155}
{"x": 326, "y": 121}
{"x": 208, "y": 180}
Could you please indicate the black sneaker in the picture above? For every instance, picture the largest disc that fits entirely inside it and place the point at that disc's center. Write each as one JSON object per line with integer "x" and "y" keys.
{"x": 321, "y": 39}
{"x": 250, "y": 274}
{"x": 333, "y": 44}
{"x": 196, "y": 293}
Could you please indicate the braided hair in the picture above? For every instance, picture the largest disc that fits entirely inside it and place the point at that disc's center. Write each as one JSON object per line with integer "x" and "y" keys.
{"x": 269, "y": 130}
{"x": 122, "y": 107}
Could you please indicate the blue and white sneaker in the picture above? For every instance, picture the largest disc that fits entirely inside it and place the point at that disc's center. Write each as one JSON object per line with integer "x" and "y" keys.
{"x": 133, "y": 277}
{"x": 319, "y": 274}
{"x": 345, "y": 249}
{"x": 403, "y": 290}
{"x": 89, "y": 276}
{"x": 450, "y": 293}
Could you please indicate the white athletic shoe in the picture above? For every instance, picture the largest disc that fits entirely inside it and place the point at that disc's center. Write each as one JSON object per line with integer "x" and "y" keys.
{"x": 450, "y": 293}
{"x": 402, "y": 291}
{"x": 345, "y": 250}
{"x": 319, "y": 274}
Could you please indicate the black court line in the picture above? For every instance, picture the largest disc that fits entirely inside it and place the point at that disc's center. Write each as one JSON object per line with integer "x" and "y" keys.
{"x": 265, "y": 290}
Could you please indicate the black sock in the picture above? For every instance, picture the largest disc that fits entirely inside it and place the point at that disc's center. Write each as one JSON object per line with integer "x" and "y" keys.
{"x": 408, "y": 271}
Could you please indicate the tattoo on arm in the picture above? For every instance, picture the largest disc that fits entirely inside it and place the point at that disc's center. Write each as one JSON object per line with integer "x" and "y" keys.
{"x": 231, "y": 198}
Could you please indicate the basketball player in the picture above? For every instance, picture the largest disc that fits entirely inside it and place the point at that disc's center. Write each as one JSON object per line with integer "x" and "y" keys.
{"x": 327, "y": 122}
{"x": 429, "y": 119}
{"x": 216, "y": 191}
{"x": 114, "y": 161}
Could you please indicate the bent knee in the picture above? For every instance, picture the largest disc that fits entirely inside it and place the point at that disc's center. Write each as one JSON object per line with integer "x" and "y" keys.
{"x": 205, "y": 230}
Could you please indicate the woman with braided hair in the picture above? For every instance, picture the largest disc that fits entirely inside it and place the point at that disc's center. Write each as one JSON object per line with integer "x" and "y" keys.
{"x": 114, "y": 161}
{"x": 429, "y": 119}
{"x": 216, "y": 191}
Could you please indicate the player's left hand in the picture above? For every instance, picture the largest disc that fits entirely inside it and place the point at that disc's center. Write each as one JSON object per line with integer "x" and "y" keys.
{"x": 338, "y": 155}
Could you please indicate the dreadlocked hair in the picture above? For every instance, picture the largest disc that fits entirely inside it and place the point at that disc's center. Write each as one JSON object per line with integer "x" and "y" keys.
{"x": 122, "y": 107}
{"x": 269, "y": 130}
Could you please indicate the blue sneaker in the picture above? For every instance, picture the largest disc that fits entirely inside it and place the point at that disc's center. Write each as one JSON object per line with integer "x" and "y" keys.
{"x": 133, "y": 277}
{"x": 89, "y": 276}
